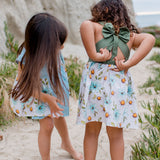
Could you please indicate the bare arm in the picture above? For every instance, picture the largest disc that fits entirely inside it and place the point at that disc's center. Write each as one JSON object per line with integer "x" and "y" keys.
{"x": 46, "y": 98}
{"x": 144, "y": 43}
{"x": 87, "y": 35}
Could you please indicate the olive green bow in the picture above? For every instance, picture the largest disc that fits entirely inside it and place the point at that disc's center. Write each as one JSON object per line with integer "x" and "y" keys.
{"x": 109, "y": 32}
{"x": 116, "y": 40}
{"x": 112, "y": 41}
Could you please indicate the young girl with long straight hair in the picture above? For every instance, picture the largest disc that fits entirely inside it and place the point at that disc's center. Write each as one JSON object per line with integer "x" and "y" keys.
{"x": 41, "y": 89}
{"x": 106, "y": 91}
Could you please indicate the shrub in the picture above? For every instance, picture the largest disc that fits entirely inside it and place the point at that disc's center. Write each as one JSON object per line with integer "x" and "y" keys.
{"x": 155, "y": 83}
{"x": 156, "y": 57}
{"x": 11, "y": 44}
{"x": 7, "y": 75}
{"x": 74, "y": 70}
{"x": 148, "y": 148}
{"x": 157, "y": 43}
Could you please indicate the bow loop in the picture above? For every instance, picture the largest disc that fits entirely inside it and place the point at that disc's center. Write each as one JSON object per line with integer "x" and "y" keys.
{"x": 124, "y": 34}
{"x": 109, "y": 31}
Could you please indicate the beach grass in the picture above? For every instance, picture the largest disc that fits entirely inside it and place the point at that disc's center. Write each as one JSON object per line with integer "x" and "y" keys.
{"x": 74, "y": 71}
{"x": 156, "y": 57}
{"x": 11, "y": 45}
{"x": 148, "y": 148}
{"x": 154, "y": 82}
{"x": 7, "y": 76}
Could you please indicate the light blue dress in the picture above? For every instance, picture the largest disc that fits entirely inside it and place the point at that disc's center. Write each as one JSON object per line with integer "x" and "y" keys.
{"x": 41, "y": 110}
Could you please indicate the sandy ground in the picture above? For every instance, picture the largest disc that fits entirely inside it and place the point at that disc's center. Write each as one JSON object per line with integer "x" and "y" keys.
{"x": 20, "y": 140}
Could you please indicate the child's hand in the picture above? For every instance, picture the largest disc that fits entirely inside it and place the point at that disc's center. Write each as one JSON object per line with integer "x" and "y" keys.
{"x": 105, "y": 53}
{"x": 121, "y": 65}
{"x": 52, "y": 102}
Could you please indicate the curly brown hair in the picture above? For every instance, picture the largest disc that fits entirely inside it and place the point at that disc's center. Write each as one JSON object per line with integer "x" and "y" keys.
{"x": 113, "y": 11}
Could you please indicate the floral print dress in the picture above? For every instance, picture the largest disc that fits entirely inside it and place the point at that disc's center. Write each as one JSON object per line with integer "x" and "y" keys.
{"x": 40, "y": 110}
{"x": 107, "y": 96}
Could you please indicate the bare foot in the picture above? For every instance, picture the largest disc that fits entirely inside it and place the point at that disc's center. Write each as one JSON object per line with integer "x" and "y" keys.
{"x": 76, "y": 155}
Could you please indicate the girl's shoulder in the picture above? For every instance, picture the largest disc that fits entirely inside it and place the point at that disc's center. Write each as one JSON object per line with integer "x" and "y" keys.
{"x": 87, "y": 22}
{"x": 88, "y": 25}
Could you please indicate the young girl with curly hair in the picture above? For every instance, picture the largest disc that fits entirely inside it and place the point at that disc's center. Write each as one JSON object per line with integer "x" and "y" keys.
{"x": 106, "y": 91}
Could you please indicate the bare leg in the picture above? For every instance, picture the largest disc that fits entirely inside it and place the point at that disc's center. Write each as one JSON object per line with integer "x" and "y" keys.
{"x": 61, "y": 126}
{"x": 91, "y": 140}
{"x": 116, "y": 143}
{"x": 44, "y": 138}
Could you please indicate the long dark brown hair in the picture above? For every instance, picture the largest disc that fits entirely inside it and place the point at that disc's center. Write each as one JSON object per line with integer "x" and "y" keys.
{"x": 44, "y": 36}
{"x": 113, "y": 11}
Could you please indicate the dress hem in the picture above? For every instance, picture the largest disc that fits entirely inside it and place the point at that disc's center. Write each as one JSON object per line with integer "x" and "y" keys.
{"x": 107, "y": 125}
{"x": 40, "y": 117}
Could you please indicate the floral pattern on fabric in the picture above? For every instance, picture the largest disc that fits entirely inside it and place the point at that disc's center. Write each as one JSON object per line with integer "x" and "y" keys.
{"x": 40, "y": 110}
{"x": 107, "y": 96}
